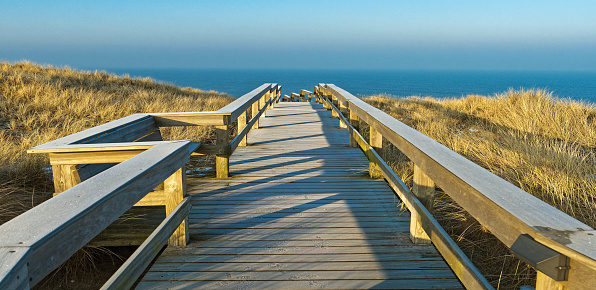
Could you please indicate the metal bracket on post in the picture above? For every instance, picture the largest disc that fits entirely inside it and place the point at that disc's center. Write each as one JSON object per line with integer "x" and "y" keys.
{"x": 551, "y": 263}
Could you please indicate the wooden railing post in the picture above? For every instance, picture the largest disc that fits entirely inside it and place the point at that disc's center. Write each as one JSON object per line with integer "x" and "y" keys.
{"x": 65, "y": 177}
{"x": 355, "y": 122}
{"x": 222, "y": 159}
{"x": 343, "y": 108}
{"x": 255, "y": 110}
{"x": 241, "y": 125}
{"x": 424, "y": 190}
{"x": 175, "y": 191}
{"x": 333, "y": 101}
{"x": 544, "y": 282}
{"x": 376, "y": 142}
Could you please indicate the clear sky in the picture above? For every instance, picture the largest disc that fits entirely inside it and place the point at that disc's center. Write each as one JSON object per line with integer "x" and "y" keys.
{"x": 420, "y": 35}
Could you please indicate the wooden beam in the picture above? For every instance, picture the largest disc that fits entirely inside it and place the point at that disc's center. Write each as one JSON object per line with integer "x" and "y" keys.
{"x": 424, "y": 190}
{"x": 222, "y": 160}
{"x": 191, "y": 119}
{"x": 235, "y": 108}
{"x": 376, "y": 141}
{"x": 52, "y": 234}
{"x": 135, "y": 265}
{"x": 93, "y": 157}
{"x": 65, "y": 177}
{"x": 241, "y": 125}
{"x": 355, "y": 123}
{"x": 175, "y": 192}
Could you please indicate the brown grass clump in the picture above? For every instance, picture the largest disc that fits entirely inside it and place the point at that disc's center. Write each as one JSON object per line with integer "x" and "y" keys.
{"x": 544, "y": 145}
{"x": 42, "y": 103}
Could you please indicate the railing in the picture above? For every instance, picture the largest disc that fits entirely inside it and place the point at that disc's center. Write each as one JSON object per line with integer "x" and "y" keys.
{"x": 559, "y": 247}
{"x": 92, "y": 192}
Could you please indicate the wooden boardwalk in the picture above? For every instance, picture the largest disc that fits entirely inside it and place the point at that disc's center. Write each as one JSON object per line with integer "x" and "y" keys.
{"x": 298, "y": 211}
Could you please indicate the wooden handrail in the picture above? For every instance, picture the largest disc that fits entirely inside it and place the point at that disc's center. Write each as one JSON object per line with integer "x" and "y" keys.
{"x": 104, "y": 138}
{"x": 520, "y": 220}
{"x": 71, "y": 219}
{"x": 36, "y": 242}
{"x": 135, "y": 265}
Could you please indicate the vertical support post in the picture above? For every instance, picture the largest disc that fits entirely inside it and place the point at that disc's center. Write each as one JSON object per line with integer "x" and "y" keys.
{"x": 222, "y": 159}
{"x": 262, "y": 102}
{"x": 544, "y": 282}
{"x": 65, "y": 177}
{"x": 241, "y": 125}
{"x": 175, "y": 191}
{"x": 343, "y": 108}
{"x": 255, "y": 110}
{"x": 424, "y": 190}
{"x": 355, "y": 122}
{"x": 376, "y": 142}
{"x": 333, "y": 100}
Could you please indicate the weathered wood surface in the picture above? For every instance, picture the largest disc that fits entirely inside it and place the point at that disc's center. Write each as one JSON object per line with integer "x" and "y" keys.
{"x": 49, "y": 234}
{"x": 504, "y": 209}
{"x": 298, "y": 211}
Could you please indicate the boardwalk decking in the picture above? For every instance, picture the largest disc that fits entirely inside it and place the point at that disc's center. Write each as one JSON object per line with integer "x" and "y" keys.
{"x": 298, "y": 211}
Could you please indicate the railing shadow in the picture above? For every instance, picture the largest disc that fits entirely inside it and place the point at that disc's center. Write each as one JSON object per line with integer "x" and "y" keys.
{"x": 372, "y": 206}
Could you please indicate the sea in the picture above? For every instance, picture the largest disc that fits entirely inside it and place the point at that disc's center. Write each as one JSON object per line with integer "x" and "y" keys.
{"x": 575, "y": 85}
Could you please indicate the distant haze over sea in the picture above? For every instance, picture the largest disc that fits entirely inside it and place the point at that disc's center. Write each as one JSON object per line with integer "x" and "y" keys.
{"x": 574, "y": 85}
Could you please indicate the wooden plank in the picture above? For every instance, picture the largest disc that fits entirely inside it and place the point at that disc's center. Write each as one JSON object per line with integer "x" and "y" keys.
{"x": 198, "y": 236}
{"x": 325, "y": 266}
{"x": 311, "y": 284}
{"x": 270, "y": 211}
{"x": 166, "y": 257}
{"x": 90, "y": 134}
{"x": 191, "y": 119}
{"x": 92, "y": 157}
{"x": 135, "y": 265}
{"x": 58, "y": 235}
{"x": 298, "y": 275}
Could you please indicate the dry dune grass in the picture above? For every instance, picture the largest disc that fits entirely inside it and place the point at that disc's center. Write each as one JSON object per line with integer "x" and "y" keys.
{"x": 544, "y": 145}
{"x": 41, "y": 103}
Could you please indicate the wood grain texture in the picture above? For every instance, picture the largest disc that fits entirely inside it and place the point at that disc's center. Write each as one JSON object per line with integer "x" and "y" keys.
{"x": 135, "y": 265}
{"x": 174, "y": 193}
{"x": 298, "y": 210}
{"x": 424, "y": 189}
{"x": 53, "y": 234}
{"x": 504, "y": 209}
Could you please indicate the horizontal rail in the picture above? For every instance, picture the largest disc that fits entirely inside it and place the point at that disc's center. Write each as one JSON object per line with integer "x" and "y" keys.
{"x": 461, "y": 265}
{"x": 505, "y": 210}
{"x": 237, "y": 107}
{"x": 39, "y": 240}
{"x": 118, "y": 130}
{"x": 135, "y": 265}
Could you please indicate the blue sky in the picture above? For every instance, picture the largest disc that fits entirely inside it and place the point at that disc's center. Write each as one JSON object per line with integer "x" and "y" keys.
{"x": 419, "y": 35}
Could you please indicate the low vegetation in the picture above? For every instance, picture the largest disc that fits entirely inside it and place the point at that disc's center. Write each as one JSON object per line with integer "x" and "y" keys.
{"x": 42, "y": 103}
{"x": 544, "y": 145}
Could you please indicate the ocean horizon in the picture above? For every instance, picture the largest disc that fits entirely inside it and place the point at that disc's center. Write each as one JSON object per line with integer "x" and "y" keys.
{"x": 576, "y": 85}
